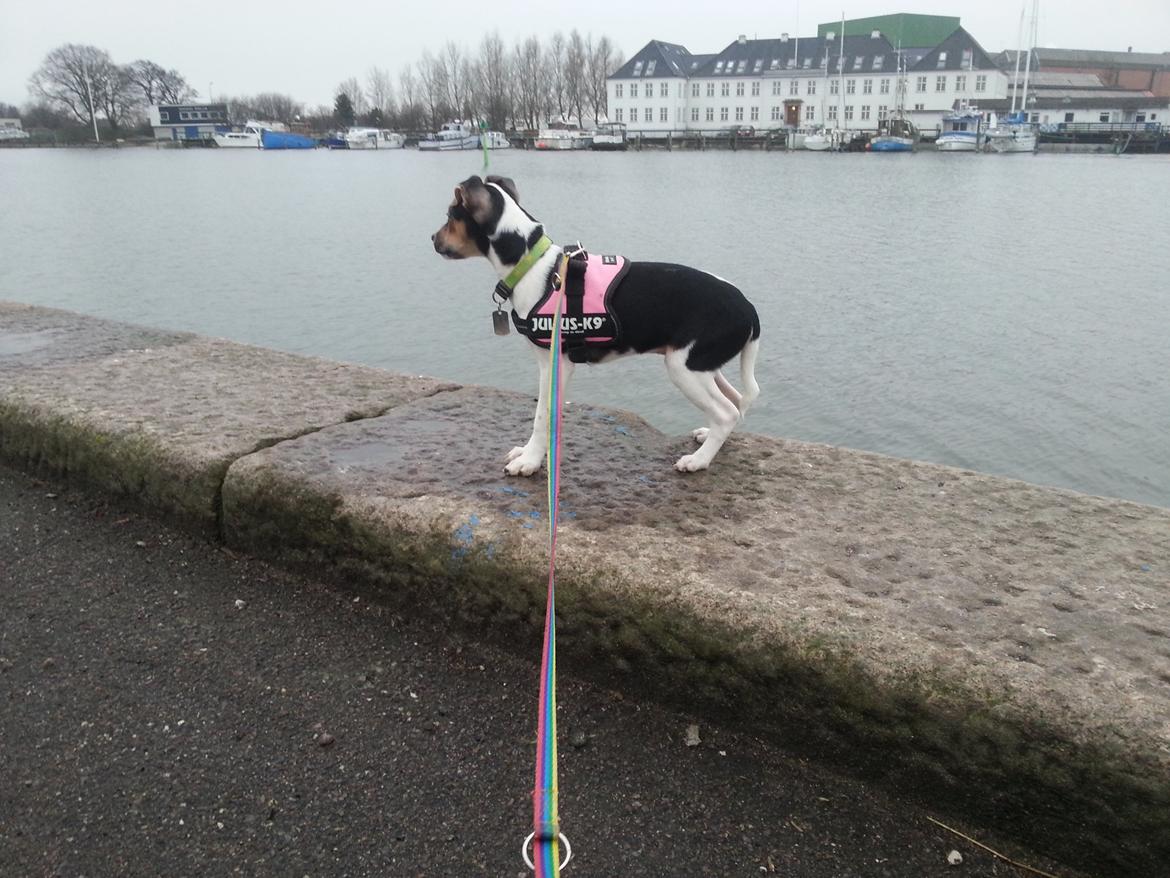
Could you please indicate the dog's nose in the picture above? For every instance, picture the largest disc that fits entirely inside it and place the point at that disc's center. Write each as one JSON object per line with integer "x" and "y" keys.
{"x": 435, "y": 235}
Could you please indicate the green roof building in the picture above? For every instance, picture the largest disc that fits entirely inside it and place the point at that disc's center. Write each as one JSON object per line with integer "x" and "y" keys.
{"x": 901, "y": 29}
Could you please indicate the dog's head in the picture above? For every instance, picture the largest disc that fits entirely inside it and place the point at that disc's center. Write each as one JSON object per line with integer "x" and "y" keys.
{"x": 484, "y": 216}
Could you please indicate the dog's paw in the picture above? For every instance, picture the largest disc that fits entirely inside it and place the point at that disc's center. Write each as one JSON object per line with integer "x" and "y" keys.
{"x": 701, "y": 434}
{"x": 524, "y": 465}
{"x": 514, "y": 453}
{"x": 691, "y": 463}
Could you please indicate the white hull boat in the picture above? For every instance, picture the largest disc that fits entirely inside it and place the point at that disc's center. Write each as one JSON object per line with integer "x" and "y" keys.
{"x": 460, "y": 135}
{"x": 373, "y": 138}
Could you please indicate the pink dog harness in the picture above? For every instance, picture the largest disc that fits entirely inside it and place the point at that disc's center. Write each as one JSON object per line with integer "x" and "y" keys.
{"x": 587, "y": 319}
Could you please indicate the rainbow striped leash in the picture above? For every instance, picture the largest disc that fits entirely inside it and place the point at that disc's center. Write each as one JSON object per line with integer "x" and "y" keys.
{"x": 546, "y": 822}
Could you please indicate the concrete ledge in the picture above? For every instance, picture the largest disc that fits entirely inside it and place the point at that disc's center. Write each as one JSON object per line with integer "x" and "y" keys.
{"x": 157, "y": 417}
{"x": 997, "y": 646}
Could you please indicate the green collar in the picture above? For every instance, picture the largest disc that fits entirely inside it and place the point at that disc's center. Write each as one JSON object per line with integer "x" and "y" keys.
{"x": 505, "y": 287}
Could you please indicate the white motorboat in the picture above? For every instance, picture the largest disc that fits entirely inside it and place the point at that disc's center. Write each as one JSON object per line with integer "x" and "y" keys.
{"x": 610, "y": 136}
{"x": 373, "y": 138}
{"x": 462, "y": 135}
{"x": 961, "y": 132}
{"x": 563, "y": 135}
{"x": 249, "y": 138}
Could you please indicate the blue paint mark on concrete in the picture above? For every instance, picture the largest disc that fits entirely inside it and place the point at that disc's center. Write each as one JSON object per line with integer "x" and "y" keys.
{"x": 623, "y": 430}
{"x": 515, "y": 492}
{"x": 465, "y": 537}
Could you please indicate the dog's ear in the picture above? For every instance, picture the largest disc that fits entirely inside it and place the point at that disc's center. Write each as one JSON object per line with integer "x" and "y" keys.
{"x": 476, "y": 198}
{"x": 507, "y": 185}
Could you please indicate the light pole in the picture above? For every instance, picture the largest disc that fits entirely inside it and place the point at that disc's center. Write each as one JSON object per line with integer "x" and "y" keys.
{"x": 209, "y": 85}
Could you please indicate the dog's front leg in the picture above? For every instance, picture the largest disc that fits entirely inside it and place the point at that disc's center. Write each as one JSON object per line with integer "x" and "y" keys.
{"x": 524, "y": 460}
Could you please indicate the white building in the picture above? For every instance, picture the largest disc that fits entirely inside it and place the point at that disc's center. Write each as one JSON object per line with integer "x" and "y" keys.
{"x": 847, "y": 82}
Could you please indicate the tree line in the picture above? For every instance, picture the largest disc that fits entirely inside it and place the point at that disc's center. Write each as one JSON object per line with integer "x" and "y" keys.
{"x": 521, "y": 86}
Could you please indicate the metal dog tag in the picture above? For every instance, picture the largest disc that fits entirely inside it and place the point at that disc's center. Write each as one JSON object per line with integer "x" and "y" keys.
{"x": 500, "y": 322}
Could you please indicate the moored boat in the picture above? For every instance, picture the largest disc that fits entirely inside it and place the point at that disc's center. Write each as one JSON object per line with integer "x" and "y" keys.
{"x": 270, "y": 139}
{"x": 461, "y": 135}
{"x": 609, "y": 136}
{"x": 562, "y": 135}
{"x": 962, "y": 131}
{"x": 897, "y": 133}
{"x": 249, "y": 138}
{"x": 373, "y": 138}
{"x": 1017, "y": 133}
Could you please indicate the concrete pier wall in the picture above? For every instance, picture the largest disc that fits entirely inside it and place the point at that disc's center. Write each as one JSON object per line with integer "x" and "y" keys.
{"x": 997, "y": 647}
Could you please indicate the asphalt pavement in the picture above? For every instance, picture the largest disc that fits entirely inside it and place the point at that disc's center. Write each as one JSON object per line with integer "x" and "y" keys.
{"x": 168, "y": 707}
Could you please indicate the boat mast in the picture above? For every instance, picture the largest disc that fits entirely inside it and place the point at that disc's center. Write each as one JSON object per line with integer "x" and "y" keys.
{"x": 1028, "y": 63}
{"x": 840, "y": 75}
{"x": 1019, "y": 48}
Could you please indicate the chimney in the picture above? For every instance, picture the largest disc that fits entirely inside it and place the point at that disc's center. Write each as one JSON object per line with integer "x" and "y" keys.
{"x": 1130, "y": 49}
{"x": 784, "y": 38}
{"x": 876, "y": 35}
{"x": 830, "y": 35}
{"x": 742, "y": 39}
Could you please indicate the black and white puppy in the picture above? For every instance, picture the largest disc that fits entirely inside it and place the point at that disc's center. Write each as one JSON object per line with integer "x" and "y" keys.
{"x": 697, "y": 321}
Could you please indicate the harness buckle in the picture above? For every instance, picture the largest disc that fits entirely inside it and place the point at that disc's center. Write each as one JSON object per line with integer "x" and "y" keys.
{"x": 502, "y": 291}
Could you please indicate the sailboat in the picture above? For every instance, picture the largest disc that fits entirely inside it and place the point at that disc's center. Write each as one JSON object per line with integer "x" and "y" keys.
{"x": 897, "y": 133}
{"x": 1016, "y": 133}
{"x": 821, "y": 140}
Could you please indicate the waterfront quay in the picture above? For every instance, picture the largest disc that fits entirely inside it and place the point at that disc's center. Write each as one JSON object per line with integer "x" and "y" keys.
{"x": 994, "y": 648}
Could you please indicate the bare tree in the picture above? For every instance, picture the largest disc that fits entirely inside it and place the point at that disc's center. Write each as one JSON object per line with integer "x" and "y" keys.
{"x": 432, "y": 74}
{"x": 380, "y": 91}
{"x": 576, "y": 57}
{"x": 456, "y": 72}
{"x": 528, "y": 75}
{"x": 602, "y": 61}
{"x": 494, "y": 71}
{"x": 71, "y": 78}
{"x": 158, "y": 85}
{"x": 265, "y": 107}
{"x": 554, "y": 75}
{"x": 410, "y": 113}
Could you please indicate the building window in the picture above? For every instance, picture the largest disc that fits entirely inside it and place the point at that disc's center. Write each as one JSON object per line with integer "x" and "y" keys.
{"x": 718, "y": 66}
{"x": 758, "y": 66}
{"x": 865, "y": 111}
{"x": 883, "y": 113}
{"x": 776, "y": 86}
{"x": 807, "y": 62}
{"x": 1069, "y": 117}
{"x": 664, "y": 90}
{"x": 617, "y": 114}
{"x": 920, "y": 84}
{"x": 710, "y": 89}
{"x": 1106, "y": 116}
{"x": 981, "y": 83}
{"x": 832, "y": 116}
{"x": 942, "y": 60}
{"x": 878, "y": 60}
{"x": 694, "y": 114}
{"x": 755, "y": 114}
{"x": 849, "y": 113}
{"x": 810, "y": 112}
{"x": 884, "y": 87}
{"x": 723, "y": 114}
{"x": 794, "y": 87}
{"x": 637, "y": 68}
{"x": 694, "y": 89}
{"x": 650, "y": 67}
{"x": 184, "y": 115}
{"x": 968, "y": 59}
{"x": 918, "y": 108}
{"x": 162, "y": 116}
{"x": 739, "y": 114}
{"x": 755, "y": 89}
{"x": 739, "y": 89}
{"x": 725, "y": 89}
{"x": 960, "y": 83}
{"x": 633, "y": 89}
{"x": 633, "y": 115}
{"x": 834, "y": 86}
{"x": 741, "y": 66}
{"x": 867, "y": 86}
{"x": 617, "y": 90}
{"x": 858, "y": 61}
{"x": 664, "y": 114}
{"x": 850, "y": 86}
{"x": 940, "y": 83}
{"x": 710, "y": 114}
{"x": 775, "y": 114}
{"x": 812, "y": 86}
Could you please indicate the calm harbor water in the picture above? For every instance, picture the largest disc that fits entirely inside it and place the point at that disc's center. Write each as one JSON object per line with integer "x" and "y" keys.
{"x": 1009, "y": 314}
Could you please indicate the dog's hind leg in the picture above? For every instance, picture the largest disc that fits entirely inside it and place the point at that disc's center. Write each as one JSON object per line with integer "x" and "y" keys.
{"x": 702, "y": 389}
{"x": 747, "y": 372}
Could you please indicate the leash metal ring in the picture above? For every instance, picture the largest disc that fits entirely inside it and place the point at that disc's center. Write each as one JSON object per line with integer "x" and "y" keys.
{"x": 528, "y": 861}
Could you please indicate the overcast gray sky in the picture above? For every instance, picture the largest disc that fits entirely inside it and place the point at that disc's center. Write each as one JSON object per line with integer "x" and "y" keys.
{"x": 305, "y": 49}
